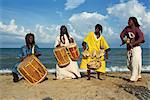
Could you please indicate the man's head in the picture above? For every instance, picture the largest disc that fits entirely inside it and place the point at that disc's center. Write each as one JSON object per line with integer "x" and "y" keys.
{"x": 63, "y": 30}
{"x": 29, "y": 38}
{"x": 98, "y": 28}
{"x": 133, "y": 21}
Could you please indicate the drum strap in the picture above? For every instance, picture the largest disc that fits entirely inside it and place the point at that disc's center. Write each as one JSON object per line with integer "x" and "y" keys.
{"x": 33, "y": 49}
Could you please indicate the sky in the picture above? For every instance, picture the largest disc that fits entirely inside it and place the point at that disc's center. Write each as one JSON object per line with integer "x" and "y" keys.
{"x": 45, "y": 17}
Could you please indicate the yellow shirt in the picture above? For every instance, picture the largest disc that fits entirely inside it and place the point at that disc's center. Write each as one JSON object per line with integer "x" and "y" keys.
{"x": 95, "y": 44}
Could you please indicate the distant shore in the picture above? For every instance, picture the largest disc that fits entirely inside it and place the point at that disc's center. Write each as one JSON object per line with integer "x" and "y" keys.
{"x": 114, "y": 86}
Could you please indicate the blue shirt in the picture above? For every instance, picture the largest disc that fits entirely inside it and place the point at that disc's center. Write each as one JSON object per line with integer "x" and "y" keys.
{"x": 26, "y": 51}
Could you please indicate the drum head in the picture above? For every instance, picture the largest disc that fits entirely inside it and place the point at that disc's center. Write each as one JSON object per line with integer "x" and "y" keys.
{"x": 59, "y": 48}
{"x": 71, "y": 45}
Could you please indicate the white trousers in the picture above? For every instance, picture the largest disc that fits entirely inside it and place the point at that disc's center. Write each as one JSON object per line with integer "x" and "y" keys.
{"x": 134, "y": 62}
{"x": 68, "y": 72}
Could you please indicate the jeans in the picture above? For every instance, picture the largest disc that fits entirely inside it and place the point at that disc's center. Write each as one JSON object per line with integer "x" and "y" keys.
{"x": 15, "y": 67}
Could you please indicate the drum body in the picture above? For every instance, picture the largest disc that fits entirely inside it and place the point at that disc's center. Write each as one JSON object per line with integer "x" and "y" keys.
{"x": 94, "y": 65}
{"x": 32, "y": 69}
{"x": 73, "y": 51}
{"x": 61, "y": 56}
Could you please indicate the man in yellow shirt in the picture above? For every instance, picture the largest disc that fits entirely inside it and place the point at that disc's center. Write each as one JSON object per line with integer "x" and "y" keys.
{"x": 95, "y": 42}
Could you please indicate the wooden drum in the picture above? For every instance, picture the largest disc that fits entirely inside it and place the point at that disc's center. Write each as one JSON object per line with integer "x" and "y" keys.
{"x": 73, "y": 51}
{"x": 61, "y": 56}
{"x": 32, "y": 69}
{"x": 94, "y": 65}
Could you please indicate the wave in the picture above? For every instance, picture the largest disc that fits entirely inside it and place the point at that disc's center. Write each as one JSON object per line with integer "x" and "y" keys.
{"x": 5, "y": 71}
{"x": 124, "y": 68}
{"x": 110, "y": 69}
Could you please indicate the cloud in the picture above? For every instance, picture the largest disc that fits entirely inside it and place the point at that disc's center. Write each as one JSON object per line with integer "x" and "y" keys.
{"x": 73, "y": 32}
{"x": 119, "y": 13}
{"x": 9, "y": 28}
{"x": 43, "y": 34}
{"x": 11, "y": 34}
{"x": 113, "y": 22}
{"x": 125, "y": 10}
{"x": 12, "y": 29}
{"x": 71, "y": 4}
{"x": 85, "y": 22}
{"x": 46, "y": 34}
{"x": 79, "y": 24}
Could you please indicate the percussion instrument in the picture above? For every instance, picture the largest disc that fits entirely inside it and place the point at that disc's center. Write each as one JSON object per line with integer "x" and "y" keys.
{"x": 61, "y": 56}
{"x": 32, "y": 69}
{"x": 73, "y": 51}
{"x": 94, "y": 65}
{"x": 128, "y": 38}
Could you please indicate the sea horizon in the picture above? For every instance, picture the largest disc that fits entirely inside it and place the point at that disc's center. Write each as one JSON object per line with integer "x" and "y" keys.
{"x": 116, "y": 61}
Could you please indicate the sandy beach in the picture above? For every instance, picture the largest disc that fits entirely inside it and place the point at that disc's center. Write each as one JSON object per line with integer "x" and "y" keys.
{"x": 114, "y": 86}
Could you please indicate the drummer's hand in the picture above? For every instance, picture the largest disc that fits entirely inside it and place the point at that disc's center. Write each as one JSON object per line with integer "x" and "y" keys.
{"x": 21, "y": 59}
{"x": 29, "y": 54}
{"x": 37, "y": 54}
{"x": 84, "y": 56}
{"x": 58, "y": 46}
{"x": 106, "y": 55}
{"x": 71, "y": 40}
{"x": 130, "y": 45}
{"x": 84, "y": 47}
{"x": 128, "y": 41}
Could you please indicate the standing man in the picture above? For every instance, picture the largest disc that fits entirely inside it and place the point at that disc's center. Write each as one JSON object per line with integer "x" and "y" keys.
{"x": 133, "y": 37}
{"x": 95, "y": 42}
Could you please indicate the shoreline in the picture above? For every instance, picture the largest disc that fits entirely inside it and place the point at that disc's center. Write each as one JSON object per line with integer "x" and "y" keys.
{"x": 116, "y": 69}
{"x": 113, "y": 87}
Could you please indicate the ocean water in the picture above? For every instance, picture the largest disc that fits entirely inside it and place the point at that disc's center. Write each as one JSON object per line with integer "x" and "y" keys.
{"x": 116, "y": 61}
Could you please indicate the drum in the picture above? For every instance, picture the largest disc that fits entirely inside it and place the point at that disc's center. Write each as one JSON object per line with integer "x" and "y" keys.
{"x": 94, "y": 65}
{"x": 61, "y": 56}
{"x": 32, "y": 69}
{"x": 73, "y": 51}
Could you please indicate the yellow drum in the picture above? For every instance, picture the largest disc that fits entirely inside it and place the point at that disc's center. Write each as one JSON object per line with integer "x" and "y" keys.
{"x": 61, "y": 56}
{"x": 73, "y": 51}
{"x": 32, "y": 69}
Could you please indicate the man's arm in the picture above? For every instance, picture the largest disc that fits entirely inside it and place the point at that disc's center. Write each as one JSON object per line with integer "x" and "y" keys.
{"x": 84, "y": 45}
{"x": 106, "y": 53}
{"x": 122, "y": 34}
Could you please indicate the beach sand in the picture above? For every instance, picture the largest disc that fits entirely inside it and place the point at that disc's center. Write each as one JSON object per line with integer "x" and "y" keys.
{"x": 114, "y": 87}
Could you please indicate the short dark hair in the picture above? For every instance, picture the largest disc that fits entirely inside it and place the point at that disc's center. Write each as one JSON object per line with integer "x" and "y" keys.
{"x": 99, "y": 27}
